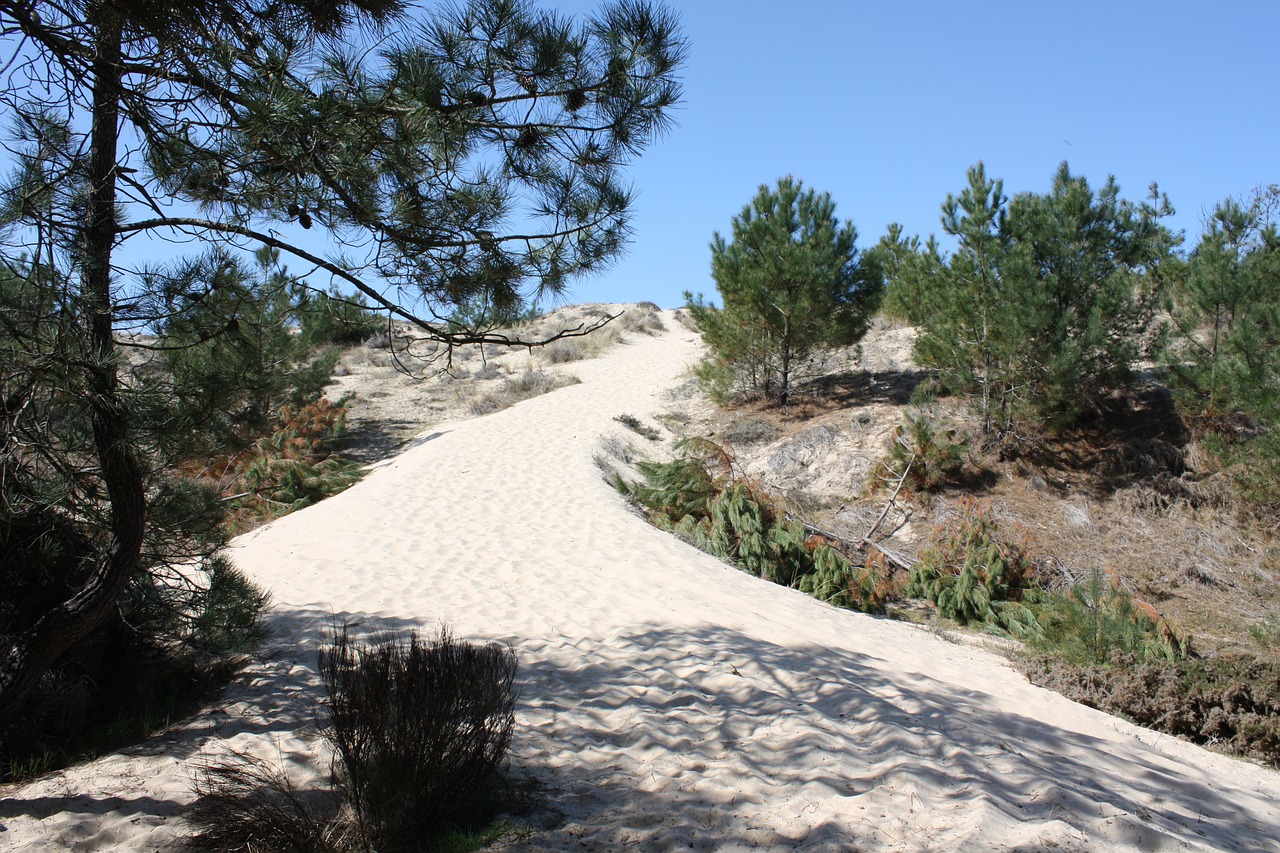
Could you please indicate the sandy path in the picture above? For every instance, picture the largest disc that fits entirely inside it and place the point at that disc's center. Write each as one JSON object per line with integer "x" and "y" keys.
{"x": 669, "y": 702}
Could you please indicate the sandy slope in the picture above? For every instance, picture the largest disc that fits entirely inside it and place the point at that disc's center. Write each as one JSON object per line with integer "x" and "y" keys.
{"x": 669, "y": 702}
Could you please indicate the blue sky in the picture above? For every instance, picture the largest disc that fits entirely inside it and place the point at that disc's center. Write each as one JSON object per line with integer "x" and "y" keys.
{"x": 885, "y": 105}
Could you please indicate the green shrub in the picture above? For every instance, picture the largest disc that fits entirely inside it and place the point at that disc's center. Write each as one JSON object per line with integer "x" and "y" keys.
{"x": 1266, "y": 633}
{"x": 927, "y": 456}
{"x": 418, "y": 730}
{"x": 154, "y": 655}
{"x": 792, "y": 284}
{"x": 483, "y": 312}
{"x": 973, "y": 576}
{"x": 234, "y": 354}
{"x": 1039, "y": 311}
{"x": 1097, "y": 619}
{"x": 836, "y": 580}
{"x": 289, "y": 469}
{"x": 697, "y": 497}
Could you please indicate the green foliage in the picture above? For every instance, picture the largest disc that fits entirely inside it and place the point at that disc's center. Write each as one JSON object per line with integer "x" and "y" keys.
{"x": 1224, "y": 352}
{"x": 231, "y": 616}
{"x": 1097, "y": 619}
{"x": 836, "y": 580}
{"x": 683, "y": 488}
{"x": 973, "y": 576}
{"x": 1039, "y": 311}
{"x": 791, "y": 283}
{"x": 335, "y": 318}
{"x": 697, "y": 497}
{"x": 1226, "y": 311}
{"x": 927, "y": 456}
{"x": 234, "y": 352}
{"x": 133, "y": 670}
{"x": 290, "y": 469}
{"x": 1266, "y": 633}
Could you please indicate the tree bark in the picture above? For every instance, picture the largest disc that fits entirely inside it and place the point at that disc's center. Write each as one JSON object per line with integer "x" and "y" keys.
{"x": 58, "y": 630}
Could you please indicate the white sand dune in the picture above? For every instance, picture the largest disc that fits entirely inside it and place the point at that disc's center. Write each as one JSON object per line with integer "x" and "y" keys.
{"x": 669, "y": 702}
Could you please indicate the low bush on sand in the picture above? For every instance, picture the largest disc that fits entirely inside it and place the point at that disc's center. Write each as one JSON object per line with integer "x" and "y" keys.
{"x": 580, "y": 348}
{"x": 1231, "y": 702}
{"x": 418, "y": 730}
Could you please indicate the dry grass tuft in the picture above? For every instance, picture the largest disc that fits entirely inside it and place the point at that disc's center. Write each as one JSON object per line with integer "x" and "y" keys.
{"x": 581, "y": 348}
{"x": 247, "y": 804}
{"x": 640, "y": 428}
{"x": 523, "y": 386}
{"x": 641, "y": 319}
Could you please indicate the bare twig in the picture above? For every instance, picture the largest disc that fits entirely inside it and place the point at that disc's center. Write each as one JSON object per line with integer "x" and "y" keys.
{"x": 892, "y": 498}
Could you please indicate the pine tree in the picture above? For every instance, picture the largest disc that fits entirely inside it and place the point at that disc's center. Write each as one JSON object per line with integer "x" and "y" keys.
{"x": 1224, "y": 351}
{"x": 477, "y": 151}
{"x": 1039, "y": 310}
{"x": 1226, "y": 312}
{"x": 792, "y": 284}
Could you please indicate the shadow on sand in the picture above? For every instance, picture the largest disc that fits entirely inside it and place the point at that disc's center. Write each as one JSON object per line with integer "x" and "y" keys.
{"x": 676, "y": 717}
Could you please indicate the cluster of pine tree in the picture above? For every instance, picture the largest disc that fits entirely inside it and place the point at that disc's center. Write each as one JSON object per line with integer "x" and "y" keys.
{"x": 1038, "y": 314}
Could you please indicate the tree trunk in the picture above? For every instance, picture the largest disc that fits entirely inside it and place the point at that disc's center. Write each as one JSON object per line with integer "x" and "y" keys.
{"x": 785, "y": 358}
{"x": 58, "y": 630}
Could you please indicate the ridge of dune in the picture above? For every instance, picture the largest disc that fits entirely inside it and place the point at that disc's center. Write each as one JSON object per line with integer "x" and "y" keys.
{"x": 669, "y": 701}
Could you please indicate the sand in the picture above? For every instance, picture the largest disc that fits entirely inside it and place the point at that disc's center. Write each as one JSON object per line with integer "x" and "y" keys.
{"x": 669, "y": 702}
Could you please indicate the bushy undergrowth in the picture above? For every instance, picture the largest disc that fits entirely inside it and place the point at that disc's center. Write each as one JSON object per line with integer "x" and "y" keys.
{"x": 1090, "y": 640}
{"x": 697, "y": 497}
{"x": 418, "y": 730}
{"x": 285, "y": 471}
{"x": 1230, "y": 702}
{"x": 974, "y": 576}
{"x": 923, "y": 456}
{"x": 1096, "y": 619}
{"x": 182, "y": 613}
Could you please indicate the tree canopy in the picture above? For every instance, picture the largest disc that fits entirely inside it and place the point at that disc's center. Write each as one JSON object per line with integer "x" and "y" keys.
{"x": 476, "y": 151}
{"x": 1039, "y": 310}
{"x": 792, "y": 284}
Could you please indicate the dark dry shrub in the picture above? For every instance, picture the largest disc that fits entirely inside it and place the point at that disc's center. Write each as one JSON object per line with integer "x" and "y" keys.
{"x": 246, "y": 804}
{"x": 1233, "y": 702}
{"x": 419, "y": 729}
{"x": 637, "y": 426}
